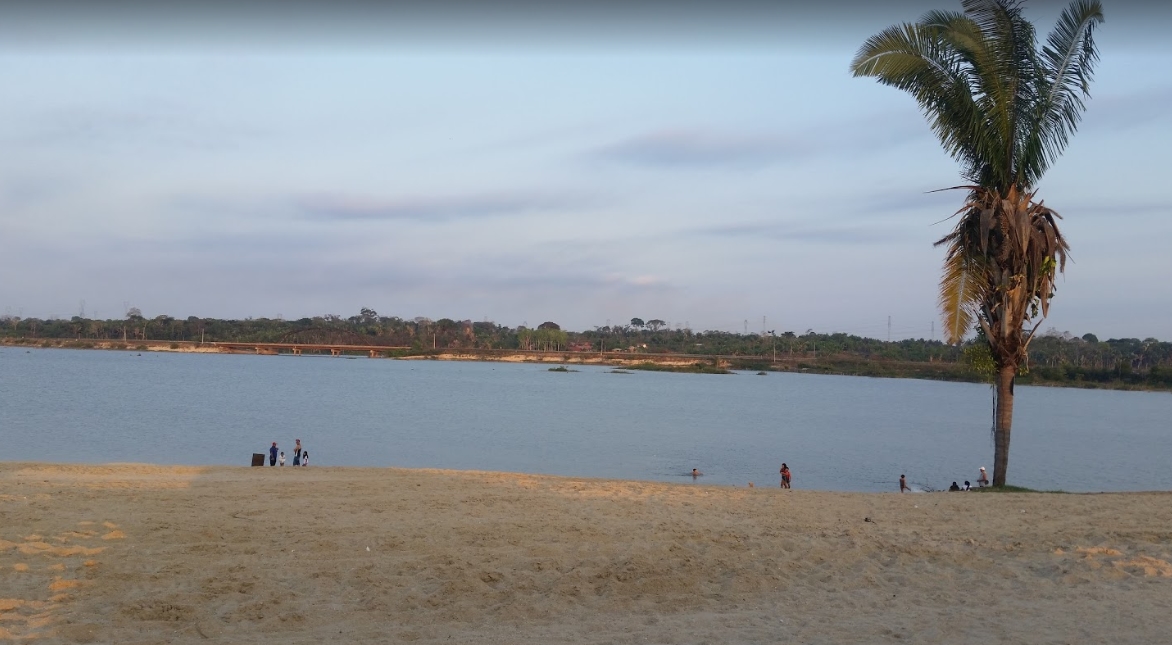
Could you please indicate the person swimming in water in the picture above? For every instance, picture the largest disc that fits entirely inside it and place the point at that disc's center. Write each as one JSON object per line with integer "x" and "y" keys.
{"x": 696, "y": 473}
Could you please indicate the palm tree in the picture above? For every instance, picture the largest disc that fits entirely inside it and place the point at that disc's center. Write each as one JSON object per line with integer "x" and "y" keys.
{"x": 1005, "y": 110}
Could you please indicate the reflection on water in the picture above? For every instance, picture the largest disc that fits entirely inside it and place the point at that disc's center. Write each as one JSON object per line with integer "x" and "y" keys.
{"x": 836, "y": 433}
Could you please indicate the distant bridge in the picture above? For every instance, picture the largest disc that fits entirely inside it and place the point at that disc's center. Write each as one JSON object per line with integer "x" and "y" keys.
{"x": 296, "y": 349}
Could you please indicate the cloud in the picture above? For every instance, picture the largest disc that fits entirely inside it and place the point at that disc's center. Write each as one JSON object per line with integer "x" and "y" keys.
{"x": 333, "y": 207}
{"x": 786, "y": 232}
{"x": 420, "y": 208}
{"x": 1131, "y": 110}
{"x": 693, "y": 148}
{"x": 158, "y": 124}
{"x": 843, "y": 137}
{"x": 430, "y": 208}
{"x": 424, "y": 208}
{"x": 448, "y": 24}
{"x": 21, "y": 193}
{"x": 1119, "y": 209}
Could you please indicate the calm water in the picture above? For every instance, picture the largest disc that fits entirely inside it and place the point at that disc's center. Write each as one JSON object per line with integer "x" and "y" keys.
{"x": 836, "y": 433}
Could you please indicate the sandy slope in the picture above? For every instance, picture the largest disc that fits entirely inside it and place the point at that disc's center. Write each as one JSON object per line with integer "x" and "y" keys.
{"x": 145, "y": 554}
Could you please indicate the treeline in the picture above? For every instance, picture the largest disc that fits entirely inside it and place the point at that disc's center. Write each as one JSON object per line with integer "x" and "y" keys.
{"x": 1055, "y": 357}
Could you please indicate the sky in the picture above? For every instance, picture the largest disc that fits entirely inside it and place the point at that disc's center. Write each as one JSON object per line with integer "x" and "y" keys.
{"x": 712, "y": 165}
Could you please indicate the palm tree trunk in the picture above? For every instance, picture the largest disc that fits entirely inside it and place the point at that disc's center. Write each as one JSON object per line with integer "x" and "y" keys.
{"x": 1005, "y": 376}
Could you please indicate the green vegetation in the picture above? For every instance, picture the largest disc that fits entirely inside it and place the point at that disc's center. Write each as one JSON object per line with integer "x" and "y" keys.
{"x": 1005, "y": 110}
{"x": 561, "y": 368}
{"x": 1055, "y": 358}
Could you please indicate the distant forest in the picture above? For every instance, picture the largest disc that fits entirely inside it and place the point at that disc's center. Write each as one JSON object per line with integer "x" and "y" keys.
{"x": 1055, "y": 357}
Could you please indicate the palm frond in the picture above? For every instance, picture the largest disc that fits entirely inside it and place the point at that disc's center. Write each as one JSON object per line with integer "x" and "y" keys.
{"x": 1005, "y": 82}
{"x": 915, "y": 58}
{"x": 1067, "y": 62}
{"x": 961, "y": 287}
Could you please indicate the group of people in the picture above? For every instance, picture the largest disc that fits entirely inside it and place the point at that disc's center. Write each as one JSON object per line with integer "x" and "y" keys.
{"x": 786, "y": 476}
{"x": 300, "y": 456}
{"x": 982, "y": 481}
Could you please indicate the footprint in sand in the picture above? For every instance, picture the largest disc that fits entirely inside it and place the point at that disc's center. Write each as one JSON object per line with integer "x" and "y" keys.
{"x": 1142, "y": 565}
{"x": 34, "y": 616}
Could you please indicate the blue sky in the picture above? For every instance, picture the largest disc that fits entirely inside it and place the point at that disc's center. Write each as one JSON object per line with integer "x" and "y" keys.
{"x": 700, "y": 166}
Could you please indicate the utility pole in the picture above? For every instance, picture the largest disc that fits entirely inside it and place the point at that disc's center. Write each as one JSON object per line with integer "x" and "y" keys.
{"x": 889, "y": 329}
{"x": 746, "y": 326}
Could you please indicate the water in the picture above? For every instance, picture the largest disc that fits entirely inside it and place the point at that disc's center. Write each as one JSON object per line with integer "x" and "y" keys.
{"x": 836, "y": 433}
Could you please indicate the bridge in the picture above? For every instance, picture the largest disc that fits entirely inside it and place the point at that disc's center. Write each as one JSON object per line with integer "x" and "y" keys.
{"x": 297, "y": 349}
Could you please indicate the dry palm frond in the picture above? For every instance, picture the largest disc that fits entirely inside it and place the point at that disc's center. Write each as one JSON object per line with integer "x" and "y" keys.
{"x": 1000, "y": 265}
{"x": 960, "y": 293}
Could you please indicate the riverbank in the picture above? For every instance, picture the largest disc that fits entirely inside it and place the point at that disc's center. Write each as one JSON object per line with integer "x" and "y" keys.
{"x": 150, "y": 554}
{"x": 836, "y": 365}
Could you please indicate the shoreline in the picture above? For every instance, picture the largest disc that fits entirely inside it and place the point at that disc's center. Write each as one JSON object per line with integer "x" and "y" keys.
{"x": 226, "y": 554}
{"x": 681, "y": 363}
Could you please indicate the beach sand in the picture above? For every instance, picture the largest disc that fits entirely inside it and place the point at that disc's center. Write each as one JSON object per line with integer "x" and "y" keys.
{"x": 160, "y": 554}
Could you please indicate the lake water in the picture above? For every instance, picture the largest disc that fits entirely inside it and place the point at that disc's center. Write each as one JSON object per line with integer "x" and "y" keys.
{"x": 836, "y": 433}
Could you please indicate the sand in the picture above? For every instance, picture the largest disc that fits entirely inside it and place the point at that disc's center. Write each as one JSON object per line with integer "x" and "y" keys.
{"x": 147, "y": 554}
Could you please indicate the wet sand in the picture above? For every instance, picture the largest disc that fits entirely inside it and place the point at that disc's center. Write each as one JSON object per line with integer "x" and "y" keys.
{"x": 160, "y": 554}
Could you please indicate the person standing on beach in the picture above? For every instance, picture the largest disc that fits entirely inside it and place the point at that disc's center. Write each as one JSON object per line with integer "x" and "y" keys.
{"x": 983, "y": 479}
{"x": 305, "y": 458}
{"x": 785, "y": 475}
{"x": 297, "y": 453}
{"x": 903, "y": 487}
{"x": 282, "y": 458}
{"x": 273, "y": 454}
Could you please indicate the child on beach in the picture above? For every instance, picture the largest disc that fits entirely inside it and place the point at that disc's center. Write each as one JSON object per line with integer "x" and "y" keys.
{"x": 903, "y": 487}
{"x": 297, "y": 453}
{"x": 785, "y": 475}
{"x": 305, "y": 458}
{"x": 282, "y": 459}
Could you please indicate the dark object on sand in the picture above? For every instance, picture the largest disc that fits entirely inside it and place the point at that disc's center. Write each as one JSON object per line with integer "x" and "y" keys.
{"x": 258, "y": 459}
